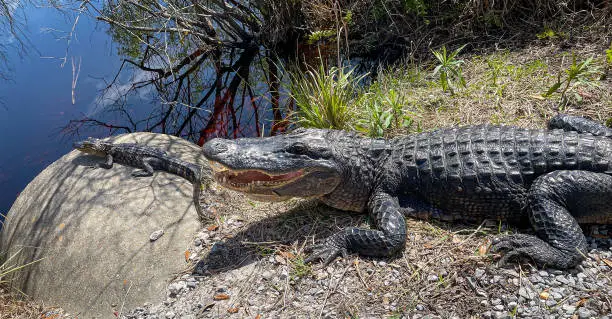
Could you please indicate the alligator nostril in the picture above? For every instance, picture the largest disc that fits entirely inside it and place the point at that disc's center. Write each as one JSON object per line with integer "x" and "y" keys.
{"x": 215, "y": 146}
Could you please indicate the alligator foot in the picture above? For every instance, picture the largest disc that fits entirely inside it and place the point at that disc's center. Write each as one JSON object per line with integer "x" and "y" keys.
{"x": 534, "y": 248}
{"x": 331, "y": 248}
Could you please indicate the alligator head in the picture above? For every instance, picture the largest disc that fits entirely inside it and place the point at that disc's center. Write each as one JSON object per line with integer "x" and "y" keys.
{"x": 93, "y": 146}
{"x": 300, "y": 164}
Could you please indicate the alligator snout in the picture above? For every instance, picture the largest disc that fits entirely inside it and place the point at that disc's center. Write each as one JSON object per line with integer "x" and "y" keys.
{"x": 215, "y": 146}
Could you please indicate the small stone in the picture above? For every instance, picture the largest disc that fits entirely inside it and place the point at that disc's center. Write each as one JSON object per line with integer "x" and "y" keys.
{"x": 176, "y": 287}
{"x": 543, "y": 273}
{"x": 544, "y": 295}
{"x": 170, "y": 315}
{"x": 432, "y": 278}
{"x": 156, "y": 234}
{"x": 487, "y": 314}
{"x": 484, "y": 303}
{"x": 569, "y": 309}
{"x": 382, "y": 264}
{"x": 496, "y": 301}
{"x": 197, "y": 242}
{"x": 420, "y": 307}
{"x": 562, "y": 279}
{"x": 498, "y": 308}
{"x": 500, "y": 315}
{"x": 192, "y": 284}
{"x": 512, "y": 305}
{"x": 284, "y": 274}
{"x": 267, "y": 275}
{"x": 526, "y": 293}
{"x": 479, "y": 272}
{"x": 551, "y": 303}
{"x": 584, "y": 313}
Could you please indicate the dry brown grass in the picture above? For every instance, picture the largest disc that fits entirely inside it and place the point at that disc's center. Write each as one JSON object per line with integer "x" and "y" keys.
{"x": 12, "y": 307}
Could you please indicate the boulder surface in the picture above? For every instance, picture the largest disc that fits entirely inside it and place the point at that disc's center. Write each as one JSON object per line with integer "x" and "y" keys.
{"x": 90, "y": 228}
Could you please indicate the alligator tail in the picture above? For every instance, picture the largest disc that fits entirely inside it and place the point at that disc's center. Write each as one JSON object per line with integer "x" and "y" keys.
{"x": 194, "y": 173}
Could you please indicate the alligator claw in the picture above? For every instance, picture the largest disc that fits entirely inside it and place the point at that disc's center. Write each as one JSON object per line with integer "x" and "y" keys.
{"x": 326, "y": 253}
{"x": 516, "y": 246}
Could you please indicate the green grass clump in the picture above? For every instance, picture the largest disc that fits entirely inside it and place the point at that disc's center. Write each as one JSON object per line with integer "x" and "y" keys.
{"x": 325, "y": 97}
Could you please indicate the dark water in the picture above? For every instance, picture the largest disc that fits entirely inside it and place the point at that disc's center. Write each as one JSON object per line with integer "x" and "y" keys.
{"x": 37, "y": 102}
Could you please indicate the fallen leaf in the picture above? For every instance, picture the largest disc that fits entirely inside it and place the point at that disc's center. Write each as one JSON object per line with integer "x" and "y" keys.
{"x": 258, "y": 316}
{"x": 221, "y": 297}
{"x": 483, "y": 249}
{"x": 607, "y": 262}
{"x": 581, "y": 302}
{"x": 544, "y": 295}
{"x": 456, "y": 240}
{"x": 187, "y": 254}
{"x": 232, "y": 310}
{"x": 280, "y": 260}
{"x": 212, "y": 227}
{"x": 286, "y": 254}
{"x": 428, "y": 245}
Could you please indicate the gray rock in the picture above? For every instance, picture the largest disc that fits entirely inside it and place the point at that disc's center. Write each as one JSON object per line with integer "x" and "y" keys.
{"x": 432, "y": 278}
{"x": 498, "y": 307}
{"x": 175, "y": 288}
{"x": 420, "y": 307}
{"x": 584, "y": 313}
{"x": 156, "y": 234}
{"x": 496, "y": 301}
{"x": 526, "y": 293}
{"x": 91, "y": 229}
{"x": 512, "y": 305}
{"x": 170, "y": 315}
{"x": 479, "y": 272}
{"x": 569, "y": 309}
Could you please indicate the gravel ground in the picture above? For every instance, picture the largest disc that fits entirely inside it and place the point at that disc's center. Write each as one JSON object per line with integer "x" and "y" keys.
{"x": 252, "y": 267}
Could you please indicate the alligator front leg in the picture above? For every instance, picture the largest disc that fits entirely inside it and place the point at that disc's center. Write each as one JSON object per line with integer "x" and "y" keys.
{"x": 387, "y": 239}
{"x": 579, "y": 124}
{"x": 552, "y": 197}
{"x": 108, "y": 162}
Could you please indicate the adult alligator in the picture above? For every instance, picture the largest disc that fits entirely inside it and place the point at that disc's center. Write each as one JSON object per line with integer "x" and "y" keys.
{"x": 556, "y": 178}
{"x": 148, "y": 159}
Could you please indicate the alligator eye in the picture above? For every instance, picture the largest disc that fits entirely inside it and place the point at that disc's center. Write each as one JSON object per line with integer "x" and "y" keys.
{"x": 298, "y": 149}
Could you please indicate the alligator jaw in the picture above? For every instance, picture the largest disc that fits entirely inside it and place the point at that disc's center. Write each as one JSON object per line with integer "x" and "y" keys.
{"x": 246, "y": 180}
{"x": 267, "y": 186}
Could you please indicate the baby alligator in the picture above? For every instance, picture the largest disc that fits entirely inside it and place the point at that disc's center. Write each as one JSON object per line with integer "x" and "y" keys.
{"x": 554, "y": 178}
{"x": 148, "y": 159}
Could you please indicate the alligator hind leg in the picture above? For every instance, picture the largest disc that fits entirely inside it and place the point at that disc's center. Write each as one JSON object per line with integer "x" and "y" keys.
{"x": 556, "y": 201}
{"x": 579, "y": 124}
{"x": 147, "y": 165}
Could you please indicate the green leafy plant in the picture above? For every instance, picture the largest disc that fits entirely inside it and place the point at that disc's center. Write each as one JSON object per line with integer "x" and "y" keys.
{"x": 449, "y": 70}
{"x": 324, "y": 98}
{"x": 609, "y": 56}
{"x": 578, "y": 72}
{"x": 495, "y": 68}
{"x": 383, "y": 112}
